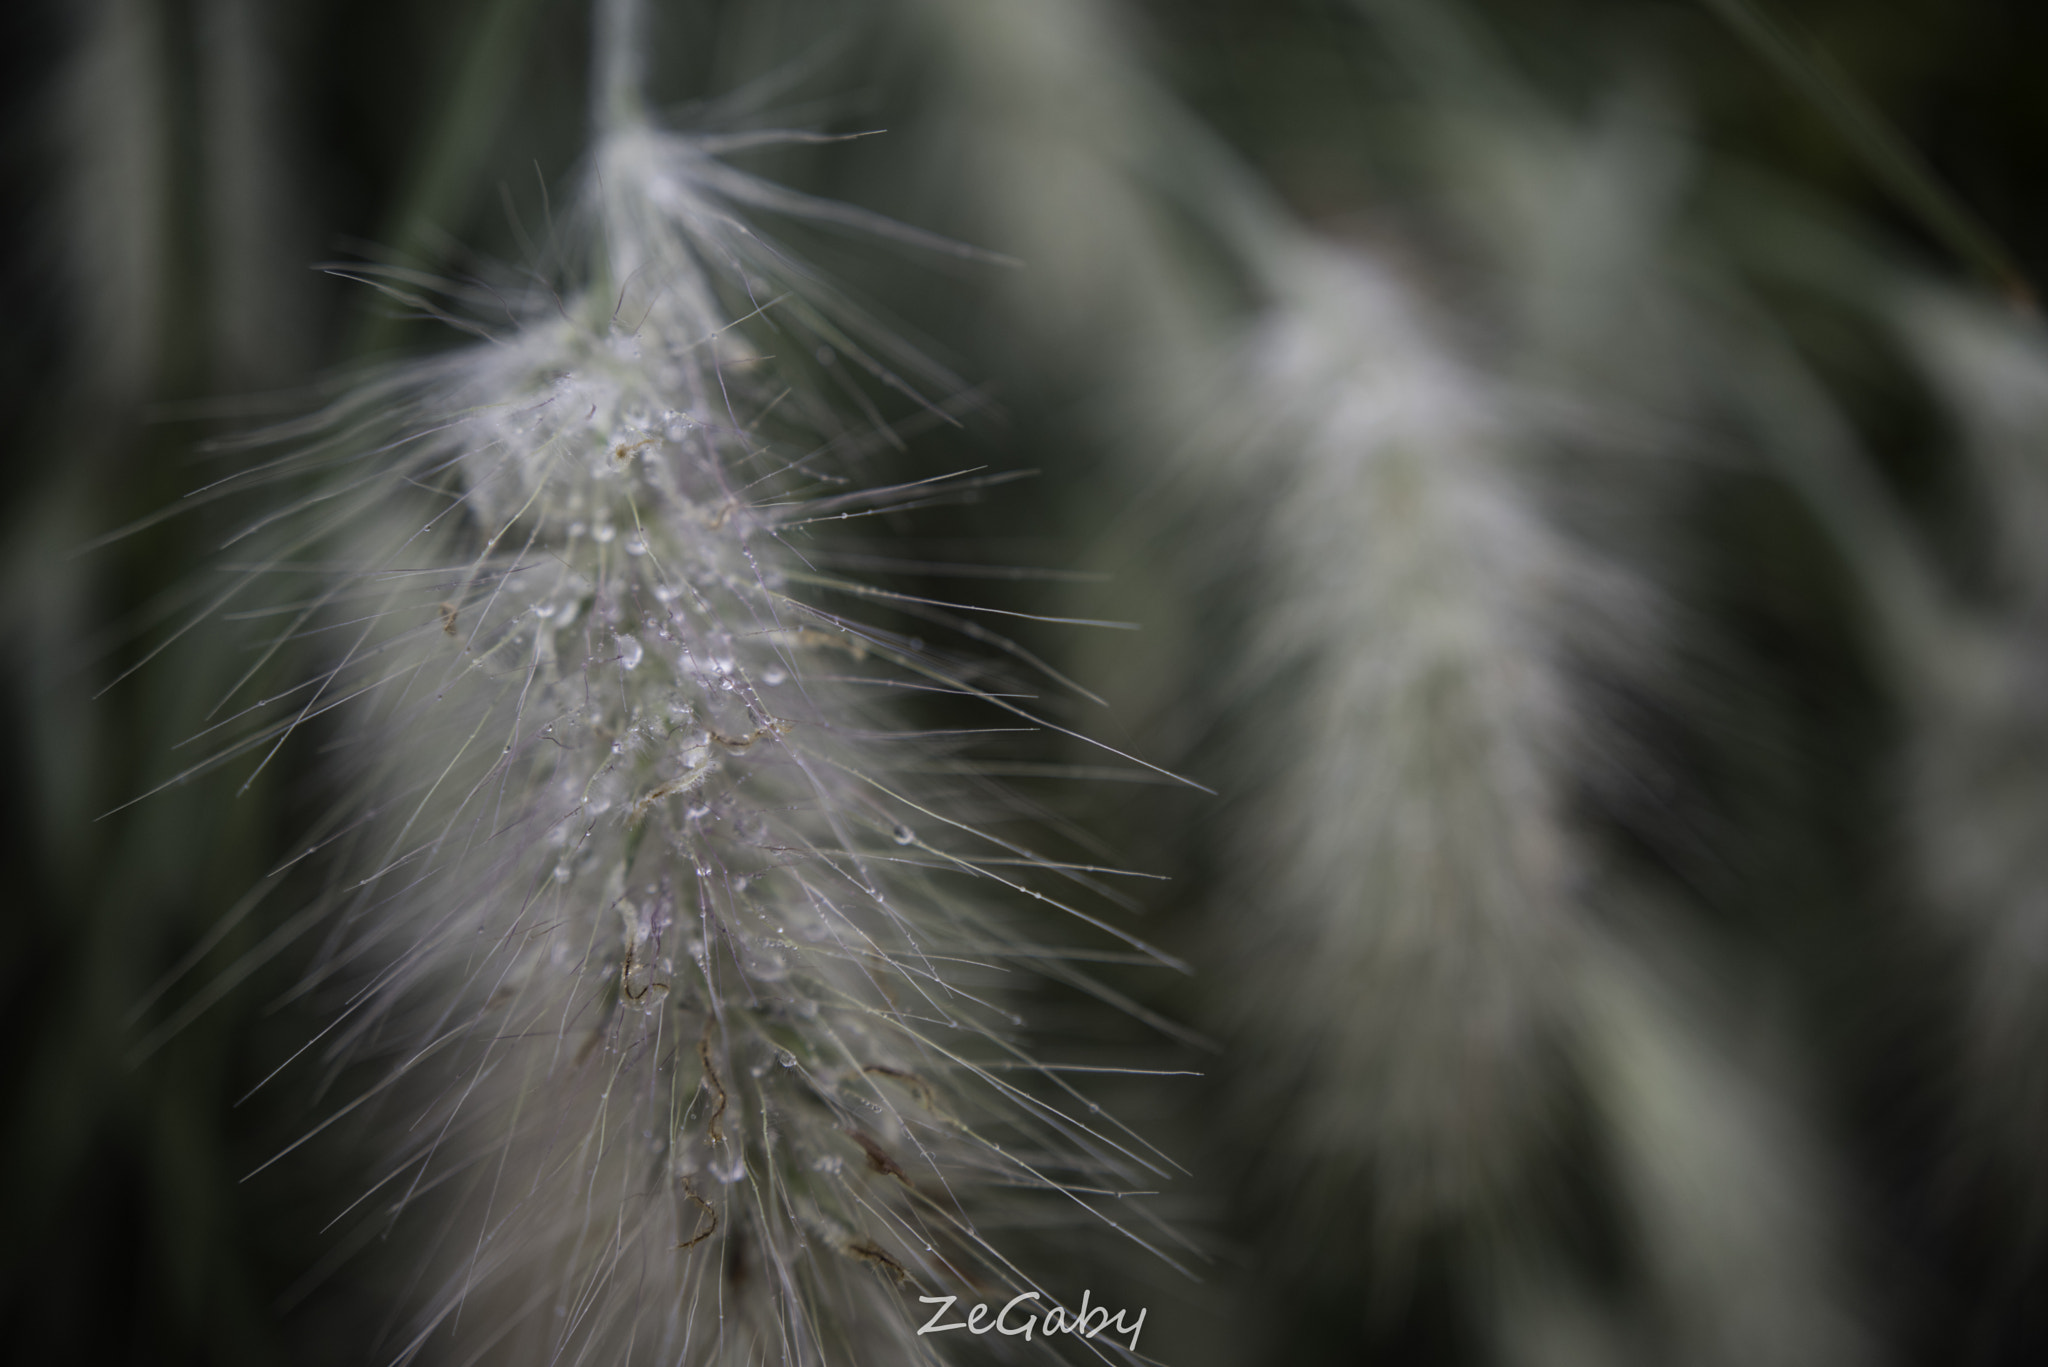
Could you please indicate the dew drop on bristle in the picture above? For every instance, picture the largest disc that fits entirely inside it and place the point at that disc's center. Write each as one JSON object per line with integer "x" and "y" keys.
{"x": 630, "y": 652}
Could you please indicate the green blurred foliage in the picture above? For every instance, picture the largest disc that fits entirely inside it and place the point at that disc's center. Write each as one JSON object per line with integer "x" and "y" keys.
{"x": 424, "y": 134}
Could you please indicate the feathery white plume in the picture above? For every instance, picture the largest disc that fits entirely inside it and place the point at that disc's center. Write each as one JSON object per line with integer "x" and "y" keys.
{"x": 1421, "y": 970}
{"x": 685, "y": 971}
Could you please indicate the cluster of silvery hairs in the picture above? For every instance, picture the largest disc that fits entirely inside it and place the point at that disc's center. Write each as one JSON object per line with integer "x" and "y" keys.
{"x": 682, "y": 954}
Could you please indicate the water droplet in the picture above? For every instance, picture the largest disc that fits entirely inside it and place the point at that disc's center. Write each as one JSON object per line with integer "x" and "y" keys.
{"x": 664, "y": 594}
{"x": 543, "y": 610}
{"x": 730, "y": 1170}
{"x": 785, "y": 1058}
{"x": 772, "y": 675}
{"x": 903, "y": 835}
{"x": 831, "y": 1162}
{"x": 636, "y": 544}
{"x": 604, "y": 533}
{"x": 561, "y": 873}
{"x": 630, "y": 652}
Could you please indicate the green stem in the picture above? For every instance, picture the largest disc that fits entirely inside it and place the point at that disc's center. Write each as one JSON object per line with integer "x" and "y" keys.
{"x": 1890, "y": 158}
{"x": 618, "y": 76}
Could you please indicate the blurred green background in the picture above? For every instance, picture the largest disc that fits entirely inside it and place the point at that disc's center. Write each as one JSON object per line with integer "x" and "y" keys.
{"x": 174, "y": 166}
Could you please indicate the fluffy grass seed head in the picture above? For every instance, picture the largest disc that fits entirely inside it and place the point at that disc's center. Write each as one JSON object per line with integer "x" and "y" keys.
{"x": 1442, "y": 977}
{"x": 1406, "y": 841}
{"x": 679, "y": 962}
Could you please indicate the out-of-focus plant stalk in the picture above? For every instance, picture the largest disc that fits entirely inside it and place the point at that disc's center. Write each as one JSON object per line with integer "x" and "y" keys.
{"x": 1422, "y": 980}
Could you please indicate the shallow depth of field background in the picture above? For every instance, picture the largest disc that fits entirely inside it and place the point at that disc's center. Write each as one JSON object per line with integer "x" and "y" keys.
{"x": 176, "y": 166}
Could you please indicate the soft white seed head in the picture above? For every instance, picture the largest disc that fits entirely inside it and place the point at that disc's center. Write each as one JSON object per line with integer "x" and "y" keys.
{"x": 1404, "y": 858}
{"x": 693, "y": 977}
